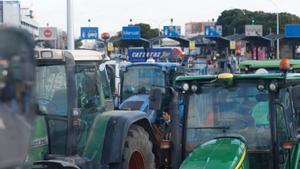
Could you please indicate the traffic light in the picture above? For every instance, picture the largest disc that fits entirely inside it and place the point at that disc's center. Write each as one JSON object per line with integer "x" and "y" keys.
{"x": 253, "y": 21}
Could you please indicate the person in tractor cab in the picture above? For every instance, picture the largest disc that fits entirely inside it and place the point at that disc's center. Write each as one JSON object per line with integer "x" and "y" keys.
{"x": 16, "y": 101}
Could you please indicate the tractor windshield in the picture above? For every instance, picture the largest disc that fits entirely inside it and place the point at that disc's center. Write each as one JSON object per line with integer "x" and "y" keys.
{"x": 140, "y": 79}
{"x": 51, "y": 89}
{"x": 239, "y": 110}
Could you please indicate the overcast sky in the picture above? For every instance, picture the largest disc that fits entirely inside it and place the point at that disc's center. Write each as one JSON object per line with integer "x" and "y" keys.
{"x": 111, "y": 15}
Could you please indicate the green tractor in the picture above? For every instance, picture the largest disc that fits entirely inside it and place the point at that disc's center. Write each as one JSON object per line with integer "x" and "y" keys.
{"x": 240, "y": 121}
{"x": 75, "y": 127}
{"x": 272, "y": 66}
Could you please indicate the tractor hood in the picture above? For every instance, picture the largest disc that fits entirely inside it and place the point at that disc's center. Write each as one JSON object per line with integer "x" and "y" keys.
{"x": 225, "y": 153}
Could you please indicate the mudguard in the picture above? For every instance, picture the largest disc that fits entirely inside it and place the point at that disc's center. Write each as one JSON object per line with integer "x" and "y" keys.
{"x": 108, "y": 133}
{"x": 226, "y": 153}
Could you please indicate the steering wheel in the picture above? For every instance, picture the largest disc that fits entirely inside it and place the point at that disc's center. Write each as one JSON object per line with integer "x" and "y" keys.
{"x": 50, "y": 106}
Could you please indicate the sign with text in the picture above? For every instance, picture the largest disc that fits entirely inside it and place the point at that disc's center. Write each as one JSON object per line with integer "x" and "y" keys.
{"x": 192, "y": 45}
{"x": 110, "y": 47}
{"x": 211, "y": 31}
{"x": 254, "y": 30}
{"x": 141, "y": 55}
{"x": 172, "y": 31}
{"x": 89, "y": 33}
{"x": 48, "y": 33}
{"x": 232, "y": 45}
{"x": 292, "y": 31}
{"x": 131, "y": 32}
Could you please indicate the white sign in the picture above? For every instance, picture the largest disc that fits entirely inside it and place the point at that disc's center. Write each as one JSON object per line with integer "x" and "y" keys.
{"x": 48, "y": 33}
{"x": 254, "y": 30}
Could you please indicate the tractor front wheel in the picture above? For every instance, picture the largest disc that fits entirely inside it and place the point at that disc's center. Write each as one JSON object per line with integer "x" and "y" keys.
{"x": 137, "y": 152}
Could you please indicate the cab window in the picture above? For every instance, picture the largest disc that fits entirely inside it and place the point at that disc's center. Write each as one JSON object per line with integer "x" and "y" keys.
{"x": 90, "y": 95}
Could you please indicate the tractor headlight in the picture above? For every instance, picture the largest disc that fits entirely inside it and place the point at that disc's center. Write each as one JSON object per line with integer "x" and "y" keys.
{"x": 261, "y": 87}
{"x": 273, "y": 86}
{"x": 194, "y": 88}
{"x": 185, "y": 86}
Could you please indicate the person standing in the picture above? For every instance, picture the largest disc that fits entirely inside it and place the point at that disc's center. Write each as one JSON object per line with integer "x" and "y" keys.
{"x": 166, "y": 126}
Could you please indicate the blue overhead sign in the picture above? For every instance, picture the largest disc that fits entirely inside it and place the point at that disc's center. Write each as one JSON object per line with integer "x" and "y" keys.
{"x": 141, "y": 55}
{"x": 89, "y": 33}
{"x": 292, "y": 31}
{"x": 131, "y": 32}
{"x": 211, "y": 31}
{"x": 172, "y": 31}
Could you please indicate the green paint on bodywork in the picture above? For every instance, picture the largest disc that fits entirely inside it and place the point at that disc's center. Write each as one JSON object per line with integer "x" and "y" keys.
{"x": 295, "y": 157}
{"x": 40, "y": 140}
{"x": 278, "y": 76}
{"x": 223, "y": 153}
{"x": 256, "y": 64}
{"x": 95, "y": 141}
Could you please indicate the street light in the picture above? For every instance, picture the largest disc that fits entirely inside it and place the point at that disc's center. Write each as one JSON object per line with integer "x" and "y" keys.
{"x": 89, "y": 20}
{"x": 277, "y": 27}
{"x": 70, "y": 24}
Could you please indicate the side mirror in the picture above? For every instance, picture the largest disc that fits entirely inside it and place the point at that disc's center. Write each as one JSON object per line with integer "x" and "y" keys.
{"x": 296, "y": 97}
{"x": 40, "y": 110}
{"x": 155, "y": 99}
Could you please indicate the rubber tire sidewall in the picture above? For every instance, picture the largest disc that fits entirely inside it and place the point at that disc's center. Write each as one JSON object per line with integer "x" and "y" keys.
{"x": 138, "y": 140}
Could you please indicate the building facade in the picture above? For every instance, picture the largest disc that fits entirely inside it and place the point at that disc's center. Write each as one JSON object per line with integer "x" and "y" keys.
{"x": 196, "y": 28}
{"x": 28, "y": 22}
{"x": 10, "y": 13}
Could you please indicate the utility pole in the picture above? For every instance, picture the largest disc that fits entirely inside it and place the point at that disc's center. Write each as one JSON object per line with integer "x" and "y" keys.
{"x": 278, "y": 50}
{"x": 70, "y": 24}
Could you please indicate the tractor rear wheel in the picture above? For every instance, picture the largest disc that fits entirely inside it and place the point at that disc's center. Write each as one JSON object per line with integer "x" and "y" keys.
{"x": 137, "y": 152}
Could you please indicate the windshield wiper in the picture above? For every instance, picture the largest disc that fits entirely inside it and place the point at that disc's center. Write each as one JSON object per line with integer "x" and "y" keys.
{"x": 216, "y": 127}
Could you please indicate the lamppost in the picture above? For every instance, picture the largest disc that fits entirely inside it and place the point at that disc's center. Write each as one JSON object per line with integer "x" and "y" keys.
{"x": 130, "y": 22}
{"x": 89, "y": 20}
{"x": 70, "y": 24}
{"x": 277, "y": 27}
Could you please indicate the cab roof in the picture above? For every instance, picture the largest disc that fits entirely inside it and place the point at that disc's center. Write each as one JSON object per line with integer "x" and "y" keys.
{"x": 158, "y": 64}
{"x": 256, "y": 64}
{"x": 279, "y": 76}
{"x": 78, "y": 55}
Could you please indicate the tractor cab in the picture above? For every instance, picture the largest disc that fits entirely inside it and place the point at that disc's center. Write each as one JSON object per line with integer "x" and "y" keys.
{"x": 240, "y": 121}
{"x": 69, "y": 94}
{"x": 139, "y": 78}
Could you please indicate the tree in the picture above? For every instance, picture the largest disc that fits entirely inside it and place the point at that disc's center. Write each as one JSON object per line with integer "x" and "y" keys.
{"x": 237, "y": 19}
{"x": 147, "y": 32}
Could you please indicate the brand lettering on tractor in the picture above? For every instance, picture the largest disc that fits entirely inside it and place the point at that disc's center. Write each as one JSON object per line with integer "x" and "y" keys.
{"x": 40, "y": 142}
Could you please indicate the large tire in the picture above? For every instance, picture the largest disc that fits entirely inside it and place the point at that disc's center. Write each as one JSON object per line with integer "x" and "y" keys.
{"x": 137, "y": 152}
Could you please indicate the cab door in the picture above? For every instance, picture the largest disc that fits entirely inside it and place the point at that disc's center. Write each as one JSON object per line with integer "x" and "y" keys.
{"x": 90, "y": 100}
{"x": 51, "y": 95}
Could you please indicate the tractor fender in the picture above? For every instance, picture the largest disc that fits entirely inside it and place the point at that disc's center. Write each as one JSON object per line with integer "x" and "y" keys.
{"x": 116, "y": 133}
